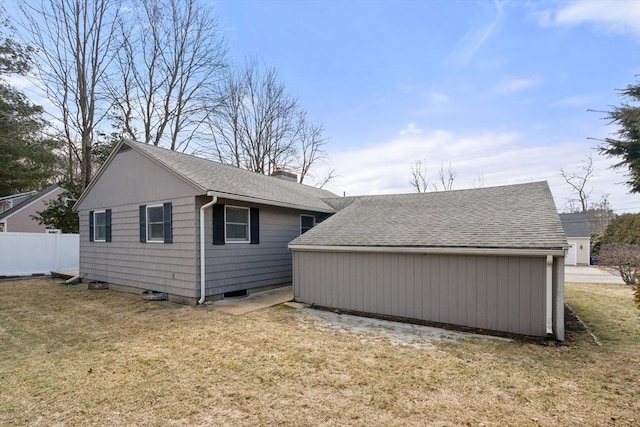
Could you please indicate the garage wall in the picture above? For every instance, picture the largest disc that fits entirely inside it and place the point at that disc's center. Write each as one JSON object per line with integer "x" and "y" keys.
{"x": 502, "y": 293}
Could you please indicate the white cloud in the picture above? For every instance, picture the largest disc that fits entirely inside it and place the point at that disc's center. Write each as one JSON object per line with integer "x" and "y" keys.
{"x": 477, "y": 35}
{"x": 620, "y": 16}
{"x": 576, "y": 101}
{"x": 512, "y": 85}
{"x": 498, "y": 158}
{"x": 438, "y": 97}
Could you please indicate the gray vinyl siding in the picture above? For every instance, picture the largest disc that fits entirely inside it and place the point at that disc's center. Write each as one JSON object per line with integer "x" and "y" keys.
{"x": 130, "y": 181}
{"x": 162, "y": 267}
{"x": 238, "y": 266}
{"x": 502, "y": 293}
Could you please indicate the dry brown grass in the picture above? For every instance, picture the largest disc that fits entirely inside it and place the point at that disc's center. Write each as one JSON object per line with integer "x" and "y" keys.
{"x": 77, "y": 357}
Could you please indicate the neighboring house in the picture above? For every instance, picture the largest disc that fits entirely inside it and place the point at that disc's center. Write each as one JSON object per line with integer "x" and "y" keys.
{"x": 19, "y": 210}
{"x": 576, "y": 228}
{"x": 7, "y": 202}
{"x": 157, "y": 220}
{"x": 141, "y": 220}
{"x": 489, "y": 258}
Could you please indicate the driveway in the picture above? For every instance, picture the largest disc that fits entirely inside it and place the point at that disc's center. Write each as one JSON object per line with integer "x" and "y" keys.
{"x": 590, "y": 274}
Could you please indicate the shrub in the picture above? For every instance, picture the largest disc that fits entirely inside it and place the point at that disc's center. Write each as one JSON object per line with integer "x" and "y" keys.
{"x": 624, "y": 228}
{"x": 622, "y": 257}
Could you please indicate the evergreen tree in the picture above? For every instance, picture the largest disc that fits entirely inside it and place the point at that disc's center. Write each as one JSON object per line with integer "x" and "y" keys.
{"x": 29, "y": 160}
{"x": 627, "y": 145}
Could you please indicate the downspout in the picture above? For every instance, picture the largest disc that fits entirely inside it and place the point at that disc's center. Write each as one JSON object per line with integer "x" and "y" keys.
{"x": 202, "y": 247}
{"x": 549, "y": 296}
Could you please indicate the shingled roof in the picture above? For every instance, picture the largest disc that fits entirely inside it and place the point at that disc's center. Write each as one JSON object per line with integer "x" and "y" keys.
{"x": 232, "y": 182}
{"x": 519, "y": 216}
{"x": 575, "y": 224}
{"x": 27, "y": 201}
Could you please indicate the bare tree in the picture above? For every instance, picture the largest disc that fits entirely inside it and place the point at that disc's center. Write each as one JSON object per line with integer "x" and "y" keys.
{"x": 478, "y": 182}
{"x": 418, "y": 178}
{"x": 578, "y": 182}
{"x": 259, "y": 126}
{"x": 600, "y": 214}
{"x": 446, "y": 177}
{"x": 623, "y": 258}
{"x": 170, "y": 58}
{"x": 74, "y": 40}
{"x": 420, "y": 183}
{"x": 311, "y": 141}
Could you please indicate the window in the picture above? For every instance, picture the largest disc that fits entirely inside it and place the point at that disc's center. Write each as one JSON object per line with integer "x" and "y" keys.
{"x": 236, "y": 224}
{"x": 100, "y": 226}
{"x": 307, "y": 222}
{"x": 1, "y": 227}
{"x": 156, "y": 223}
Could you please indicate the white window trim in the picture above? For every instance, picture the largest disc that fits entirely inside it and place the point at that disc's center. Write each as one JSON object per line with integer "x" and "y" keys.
{"x": 95, "y": 239}
{"x": 147, "y": 223}
{"x": 314, "y": 221}
{"x": 248, "y": 225}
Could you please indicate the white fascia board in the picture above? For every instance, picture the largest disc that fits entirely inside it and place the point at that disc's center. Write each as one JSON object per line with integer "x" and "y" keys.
{"x": 429, "y": 250}
{"x": 35, "y": 201}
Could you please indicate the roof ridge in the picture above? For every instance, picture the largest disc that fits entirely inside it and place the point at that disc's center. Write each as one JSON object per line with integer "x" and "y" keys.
{"x": 29, "y": 200}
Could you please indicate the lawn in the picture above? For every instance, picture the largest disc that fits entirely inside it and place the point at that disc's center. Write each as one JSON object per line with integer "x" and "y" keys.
{"x": 77, "y": 357}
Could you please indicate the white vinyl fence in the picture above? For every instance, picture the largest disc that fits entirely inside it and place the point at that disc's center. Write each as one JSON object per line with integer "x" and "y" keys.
{"x": 34, "y": 253}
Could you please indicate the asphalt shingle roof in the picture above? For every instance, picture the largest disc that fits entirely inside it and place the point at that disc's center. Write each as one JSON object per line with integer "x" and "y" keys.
{"x": 231, "y": 181}
{"x": 519, "y": 216}
{"x": 575, "y": 224}
{"x": 27, "y": 201}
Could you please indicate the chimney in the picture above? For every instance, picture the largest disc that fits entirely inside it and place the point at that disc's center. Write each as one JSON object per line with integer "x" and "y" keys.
{"x": 287, "y": 176}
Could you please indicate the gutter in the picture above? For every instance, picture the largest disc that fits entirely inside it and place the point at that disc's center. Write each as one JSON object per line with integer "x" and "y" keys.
{"x": 430, "y": 250}
{"x": 203, "y": 283}
{"x": 549, "y": 296}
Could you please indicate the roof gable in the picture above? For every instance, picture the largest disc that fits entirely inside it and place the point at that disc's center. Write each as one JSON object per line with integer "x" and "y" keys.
{"x": 520, "y": 216}
{"x": 28, "y": 201}
{"x": 575, "y": 224}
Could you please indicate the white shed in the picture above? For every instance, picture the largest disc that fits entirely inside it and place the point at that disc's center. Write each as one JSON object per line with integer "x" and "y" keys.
{"x": 576, "y": 228}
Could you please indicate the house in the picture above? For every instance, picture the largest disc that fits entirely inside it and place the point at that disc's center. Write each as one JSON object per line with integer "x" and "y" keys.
{"x": 576, "y": 228}
{"x": 7, "y": 202}
{"x": 489, "y": 258}
{"x": 158, "y": 220}
{"x": 17, "y": 211}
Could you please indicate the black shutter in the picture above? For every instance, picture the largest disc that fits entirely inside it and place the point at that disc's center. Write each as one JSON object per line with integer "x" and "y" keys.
{"x": 168, "y": 235}
{"x": 255, "y": 226}
{"x": 107, "y": 220}
{"x": 91, "y": 226}
{"x": 143, "y": 223}
{"x": 218, "y": 224}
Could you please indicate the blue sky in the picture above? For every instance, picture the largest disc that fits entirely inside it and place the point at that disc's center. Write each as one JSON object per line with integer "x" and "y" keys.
{"x": 498, "y": 89}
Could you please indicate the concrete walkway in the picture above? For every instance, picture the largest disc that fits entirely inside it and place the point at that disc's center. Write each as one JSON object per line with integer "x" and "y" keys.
{"x": 590, "y": 274}
{"x": 242, "y": 305}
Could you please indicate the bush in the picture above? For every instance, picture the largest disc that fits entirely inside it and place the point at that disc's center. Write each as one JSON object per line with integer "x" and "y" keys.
{"x": 623, "y": 229}
{"x": 622, "y": 257}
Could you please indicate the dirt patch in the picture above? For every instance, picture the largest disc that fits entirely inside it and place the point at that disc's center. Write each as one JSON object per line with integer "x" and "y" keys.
{"x": 374, "y": 330}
